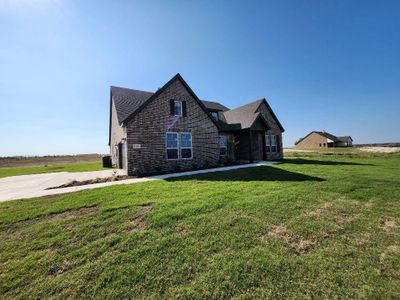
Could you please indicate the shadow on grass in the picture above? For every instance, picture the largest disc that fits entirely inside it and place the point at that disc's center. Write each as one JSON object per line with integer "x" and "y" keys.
{"x": 263, "y": 173}
{"x": 300, "y": 161}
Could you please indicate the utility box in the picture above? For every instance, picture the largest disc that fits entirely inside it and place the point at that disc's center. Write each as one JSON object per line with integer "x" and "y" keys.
{"x": 107, "y": 161}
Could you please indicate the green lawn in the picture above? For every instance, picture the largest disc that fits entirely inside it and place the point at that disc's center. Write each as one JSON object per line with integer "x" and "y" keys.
{"x": 325, "y": 227}
{"x": 79, "y": 167}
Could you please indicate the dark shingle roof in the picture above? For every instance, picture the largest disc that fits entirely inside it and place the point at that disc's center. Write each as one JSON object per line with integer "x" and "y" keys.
{"x": 228, "y": 127}
{"x": 345, "y": 139}
{"x": 244, "y": 115}
{"x": 211, "y": 105}
{"x": 328, "y": 135}
{"x": 127, "y": 101}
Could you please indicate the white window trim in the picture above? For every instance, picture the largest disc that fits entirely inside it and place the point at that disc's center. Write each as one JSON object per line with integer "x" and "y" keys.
{"x": 168, "y": 148}
{"x": 267, "y": 142}
{"x": 273, "y": 143}
{"x": 270, "y": 141}
{"x": 267, "y": 139}
{"x": 181, "y": 102}
{"x": 191, "y": 147}
{"x": 226, "y": 147}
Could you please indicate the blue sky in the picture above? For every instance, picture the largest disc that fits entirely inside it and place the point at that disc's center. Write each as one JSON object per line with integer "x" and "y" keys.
{"x": 332, "y": 65}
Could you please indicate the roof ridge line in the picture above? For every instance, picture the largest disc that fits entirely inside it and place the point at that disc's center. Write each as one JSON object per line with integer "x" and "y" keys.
{"x": 249, "y": 103}
{"x": 121, "y": 87}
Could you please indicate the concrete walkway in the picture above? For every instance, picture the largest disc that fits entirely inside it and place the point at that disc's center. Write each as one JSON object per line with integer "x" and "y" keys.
{"x": 32, "y": 186}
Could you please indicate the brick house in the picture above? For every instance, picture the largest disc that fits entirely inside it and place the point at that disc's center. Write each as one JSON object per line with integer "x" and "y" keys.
{"x": 172, "y": 130}
{"x": 323, "y": 139}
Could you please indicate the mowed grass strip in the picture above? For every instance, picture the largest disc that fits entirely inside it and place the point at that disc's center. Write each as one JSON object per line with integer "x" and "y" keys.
{"x": 318, "y": 227}
{"x": 78, "y": 167}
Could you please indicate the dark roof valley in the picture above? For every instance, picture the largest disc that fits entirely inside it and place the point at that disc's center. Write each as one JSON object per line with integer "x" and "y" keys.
{"x": 216, "y": 106}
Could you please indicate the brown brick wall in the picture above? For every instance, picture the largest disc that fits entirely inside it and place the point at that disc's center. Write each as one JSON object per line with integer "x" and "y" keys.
{"x": 312, "y": 141}
{"x": 275, "y": 155}
{"x": 148, "y": 128}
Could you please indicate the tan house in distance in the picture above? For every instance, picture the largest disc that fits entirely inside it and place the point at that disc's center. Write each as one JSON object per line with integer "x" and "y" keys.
{"x": 323, "y": 139}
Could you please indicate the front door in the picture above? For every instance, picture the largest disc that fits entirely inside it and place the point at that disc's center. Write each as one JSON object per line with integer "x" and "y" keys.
{"x": 121, "y": 155}
{"x": 258, "y": 152}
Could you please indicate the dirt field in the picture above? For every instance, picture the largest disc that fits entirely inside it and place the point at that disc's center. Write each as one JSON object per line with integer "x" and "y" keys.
{"x": 370, "y": 149}
{"x": 7, "y": 162}
{"x": 380, "y": 149}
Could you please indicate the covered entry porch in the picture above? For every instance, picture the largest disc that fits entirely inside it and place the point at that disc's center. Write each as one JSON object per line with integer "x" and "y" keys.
{"x": 257, "y": 145}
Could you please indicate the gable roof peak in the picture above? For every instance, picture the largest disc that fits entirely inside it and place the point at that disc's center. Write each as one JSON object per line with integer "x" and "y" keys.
{"x": 247, "y": 114}
{"x": 178, "y": 76}
{"x": 323, "y": 133}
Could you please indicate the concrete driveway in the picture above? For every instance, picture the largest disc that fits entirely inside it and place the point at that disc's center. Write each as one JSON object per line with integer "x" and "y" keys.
{"x": 31, "y": 186}
{"x": 35, "y": 185}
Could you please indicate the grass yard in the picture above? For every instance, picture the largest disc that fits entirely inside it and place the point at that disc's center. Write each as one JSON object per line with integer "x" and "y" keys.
{"x": 70, "y": 167}
{"x": 311, "y": 227}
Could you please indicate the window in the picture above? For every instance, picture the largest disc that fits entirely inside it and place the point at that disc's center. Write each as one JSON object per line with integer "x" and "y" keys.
{"x": 179, "y": 145}
{"x": 267, "y": 142}
{"x": 320, "y": 144}
{"x": 270, "y": 143}
{"x": 324, "y": 145}
{"x": 215, "y": 115}
{"x": 172, "y": 145}
{"x": 222, "y": 145}
{"x": 177, "y": 108}
{"x": 186, "y": 145}
{"x": 273, "y": 143}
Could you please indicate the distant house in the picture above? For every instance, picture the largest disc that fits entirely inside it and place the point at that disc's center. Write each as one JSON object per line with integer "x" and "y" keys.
{"x": 173, "y": 130}
{"x": 323, "y": 139}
